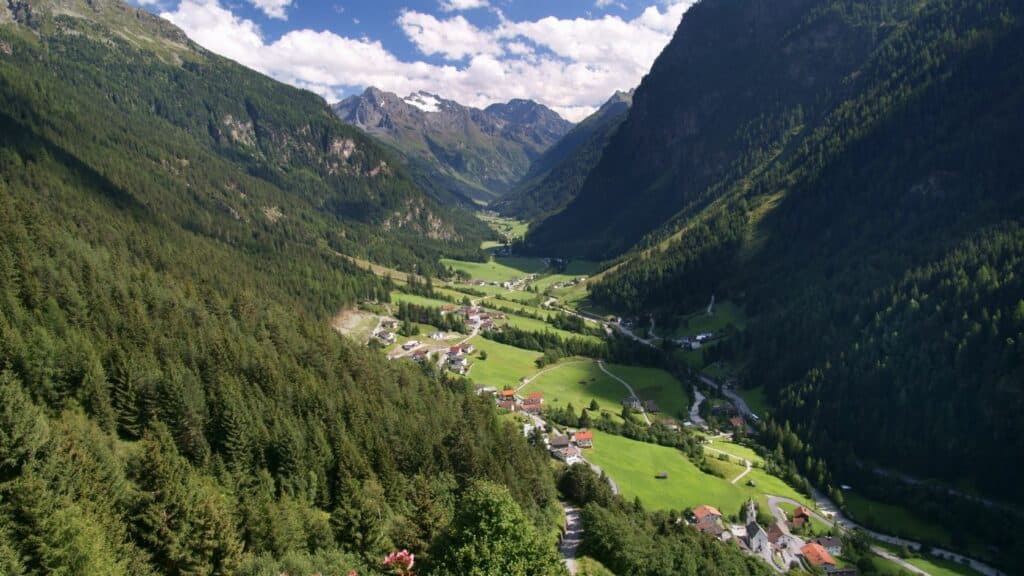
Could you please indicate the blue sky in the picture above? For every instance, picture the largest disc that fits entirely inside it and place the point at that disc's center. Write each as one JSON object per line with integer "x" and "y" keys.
{"x": 568, "y": 54}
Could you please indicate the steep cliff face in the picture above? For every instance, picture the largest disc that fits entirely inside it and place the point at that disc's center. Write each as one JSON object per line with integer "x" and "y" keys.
{"x": 459, "y": 154}
{"x": 736, "y": 78}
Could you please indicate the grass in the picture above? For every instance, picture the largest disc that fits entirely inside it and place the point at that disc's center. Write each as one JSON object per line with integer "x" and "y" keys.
{"x": 587, "y": 566}
{"x": 562, "y": 386}
{"x": 725, "y": 313}
{"x": 658, "y": 385}
{"x": 733, "y": 449}
{"x": 508, "y": 227}
{"x": 754, "y": 397}
{"x": 933, "y": 565}
{"x": 504, "y": 366}
{"x": 893, "y": 520}
{"x": 633, "y": 465}
{"x": 533, "y": 325}
{"x": 497, "y": 269}
{"x": 397, "y": 297}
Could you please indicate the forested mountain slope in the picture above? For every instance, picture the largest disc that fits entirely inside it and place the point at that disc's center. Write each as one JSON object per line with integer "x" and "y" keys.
{"x": 557, "y": 175}
{"x": 245, "y": 152}
{"x": 459, "y": 154}
{"x": 872, "y": 228}
{"x": 172, "y": 399}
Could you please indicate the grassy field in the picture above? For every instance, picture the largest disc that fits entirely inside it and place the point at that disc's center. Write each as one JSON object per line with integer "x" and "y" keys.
{"x": 578, "y": 383}
{"x": 498, "y": 269}
{"x": 932, "y": 565}
{"x": 533, "y": 325}
{"x": 633, "y": 465}
{"x": 734, "y": 449}
{"x": 725, "y": 313}
{"x": 397, "y": 297}
{"x": 507, "y": 227}
{"x": 893, "y": 520}
{"x": 658, "y": 385}
{"x": 504, "y": 366}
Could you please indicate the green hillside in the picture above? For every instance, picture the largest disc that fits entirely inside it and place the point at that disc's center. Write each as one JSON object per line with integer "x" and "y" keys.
{"x": 172, "y": 398}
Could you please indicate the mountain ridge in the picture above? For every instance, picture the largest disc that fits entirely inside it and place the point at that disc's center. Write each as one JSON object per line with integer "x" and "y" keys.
{"x": 460, "y": 154}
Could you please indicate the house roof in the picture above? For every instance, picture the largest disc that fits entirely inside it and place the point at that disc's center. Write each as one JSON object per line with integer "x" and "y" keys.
{"x": 775, "y": 531}
{"x": 534, "y": 395}
{"x": 583, "y": 435}
{"x": 703, "y": 511}
{"x": 801, "y": 511}
{"x": 753, "y": 528}
{"x": 558, "y": 440}
{"x": 711, "y": 526}
{"x": 817, "y": 555}
{"x": 736, "y": 421}
{"x": 508, "y": 393}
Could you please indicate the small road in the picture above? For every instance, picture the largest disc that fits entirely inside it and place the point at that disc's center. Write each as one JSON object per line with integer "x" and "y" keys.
{"x": 572, "y": 536}
{"x": 600, "y": 364}
{"x": 746, "y": 463}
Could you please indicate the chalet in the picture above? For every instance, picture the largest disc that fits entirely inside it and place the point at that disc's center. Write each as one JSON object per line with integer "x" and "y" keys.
{"x": 454, "y": 352}
{"x": 437, "y": 335}
{"x": 570, "y": 455}
{"x": 817, "y": 556}
{"x": 801, "y": 516}
{"x": 831, "y": 544}
{"x": 757, "y": 538}
{"x": 670, "y": 424}
{"x": 651, "y": 406}
{"x": 508, "y": 394}
{"x": 736, "y": 422}
{"x": 531, "y": 408}
{"x": 389, "y": 324}
{"x": 584, "y": 438}
{"x": 385, "y": 336}
{"x": 467, "y": 348}
{"x": 482, "y": 389}
{"x": 557, "y": 442}
{"x": 632, "y": 402}
{"x": 534, "y": 398}
{"x": 710, "y": 526}
{"x": 507, "y": 405}
{"x": 704, "y": 512}
{"x": 410, "y": 345}
{"x": 459, "y": 362}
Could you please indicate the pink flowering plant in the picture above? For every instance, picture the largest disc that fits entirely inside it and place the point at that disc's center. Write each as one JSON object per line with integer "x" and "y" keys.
{"x": 400, "y": 562}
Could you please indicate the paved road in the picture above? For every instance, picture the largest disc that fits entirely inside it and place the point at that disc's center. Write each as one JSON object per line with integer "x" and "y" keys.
{"x": 695, "y": 416}
{"x": 571, "y": 537}
{"x": 600, "y": 364}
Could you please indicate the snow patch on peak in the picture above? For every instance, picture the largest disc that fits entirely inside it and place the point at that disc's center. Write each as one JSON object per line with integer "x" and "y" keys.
{"x": 424, "y": 101}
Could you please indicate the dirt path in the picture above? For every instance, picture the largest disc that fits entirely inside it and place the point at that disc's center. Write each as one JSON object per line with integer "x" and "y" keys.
{"x": 572, "y": 537}
{"x": 746, "y": 463}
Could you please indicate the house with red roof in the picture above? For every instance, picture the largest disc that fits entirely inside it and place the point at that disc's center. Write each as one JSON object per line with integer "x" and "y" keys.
{"x": 704, "y": 512}
{"x": 801, "y": 516}
{"x": 508, "y": 394}
{"x": 817, "y": 556}
{"x": 584, "y": 438}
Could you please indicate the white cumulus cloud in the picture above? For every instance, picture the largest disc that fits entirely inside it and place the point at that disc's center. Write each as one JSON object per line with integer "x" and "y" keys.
{"x": 458, "y": 5}
{"x": 569, "y": 64}
{"x": 273, "y": 8}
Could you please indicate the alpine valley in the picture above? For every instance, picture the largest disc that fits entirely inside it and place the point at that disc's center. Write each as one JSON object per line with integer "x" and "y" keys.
{"x": 761, "y": 314}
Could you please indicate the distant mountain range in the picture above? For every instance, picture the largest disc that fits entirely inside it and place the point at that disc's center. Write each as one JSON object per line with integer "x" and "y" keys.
{"x": 458, "y": 154}
{"x": 556, "y": 176}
